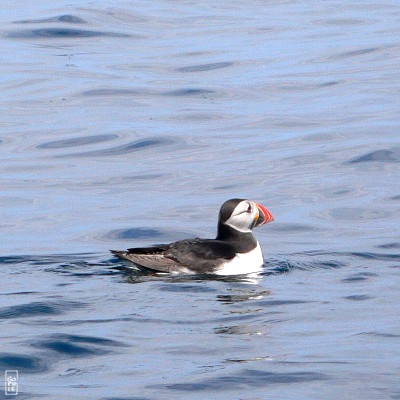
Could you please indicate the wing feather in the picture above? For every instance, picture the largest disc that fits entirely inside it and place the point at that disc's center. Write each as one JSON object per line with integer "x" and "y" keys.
{"x": 196, "y": 255}
{"x": 153, "y": 261}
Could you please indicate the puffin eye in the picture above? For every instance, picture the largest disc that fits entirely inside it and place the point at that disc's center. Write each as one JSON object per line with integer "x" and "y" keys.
{"x": 249, "y": 209}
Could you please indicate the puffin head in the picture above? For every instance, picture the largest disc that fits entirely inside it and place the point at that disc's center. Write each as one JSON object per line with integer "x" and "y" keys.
{"x": 244, "y": 215}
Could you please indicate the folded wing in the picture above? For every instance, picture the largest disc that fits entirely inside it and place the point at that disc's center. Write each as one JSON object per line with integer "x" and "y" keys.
{"x": 197, "y": 255}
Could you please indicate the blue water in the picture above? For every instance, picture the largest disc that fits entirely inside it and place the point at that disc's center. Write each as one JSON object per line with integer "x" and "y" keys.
{"x": 129, "y": 123}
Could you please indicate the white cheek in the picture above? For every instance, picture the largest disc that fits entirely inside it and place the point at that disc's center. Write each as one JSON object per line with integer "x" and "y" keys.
{"x": 240, "y": 222}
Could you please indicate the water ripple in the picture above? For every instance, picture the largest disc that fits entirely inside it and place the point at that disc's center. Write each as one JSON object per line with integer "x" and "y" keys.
{"x": 77, "y": 345}
{"x": 134, "y": 233}
{"x": 294, "y": 228}
{"x": 239, "y": 298}
{"x": 126, "y": 398}
{"x": 45, "y": 259}
{"x": 385, "y": 156}
{"x": 246, "y": 378}
{"x": 137, "y": 145}
{"x": 376, "y": 256}
{"x": 188, "y": 92}
{"x": 205, "y": 67}
{"x": 183, "y": 92}
{"x": 354, "y": 53}
{"x": 110, "y": 92}
{"x": 358, "y": 297}
{"x": 394, "y": 245}
{"x": 62, "y": 33}
{"x": 279, "y": 266}
{"x": 78, "y": 141}
{"x": 362, "y": 276}
{"x": 68, "y": 18}
{"x": 381, "y": 334}
{"x": 179, "y": 288}
{"x": 243, "y": 329}
{"x": 22, "y": 363}
{"x": 37, "y": 309}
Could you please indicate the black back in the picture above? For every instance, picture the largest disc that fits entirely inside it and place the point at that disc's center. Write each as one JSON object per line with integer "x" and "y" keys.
{"x": 199, "y": 255}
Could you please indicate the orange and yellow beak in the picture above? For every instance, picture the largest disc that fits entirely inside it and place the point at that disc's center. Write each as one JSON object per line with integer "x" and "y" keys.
{"x": 264, "y": 216}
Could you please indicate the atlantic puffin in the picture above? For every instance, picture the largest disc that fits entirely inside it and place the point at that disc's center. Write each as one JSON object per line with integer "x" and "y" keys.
{"x": 235, "y": 250}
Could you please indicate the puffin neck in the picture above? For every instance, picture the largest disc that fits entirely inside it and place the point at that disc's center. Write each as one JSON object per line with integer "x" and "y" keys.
{"x": 243, "y": 240}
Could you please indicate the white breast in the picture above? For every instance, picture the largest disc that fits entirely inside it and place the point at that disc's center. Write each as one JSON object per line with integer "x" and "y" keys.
{"x": 243, "y": 263}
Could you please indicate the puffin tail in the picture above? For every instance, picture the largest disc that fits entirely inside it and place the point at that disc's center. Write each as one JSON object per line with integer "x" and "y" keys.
{"x": 120, "y": 254}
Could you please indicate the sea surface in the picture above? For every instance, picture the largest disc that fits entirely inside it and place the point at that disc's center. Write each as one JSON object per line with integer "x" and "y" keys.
{"x": 129, "y": 123}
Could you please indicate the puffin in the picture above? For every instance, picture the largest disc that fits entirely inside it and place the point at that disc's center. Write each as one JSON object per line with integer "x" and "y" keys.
{"x": 234, "y": 251}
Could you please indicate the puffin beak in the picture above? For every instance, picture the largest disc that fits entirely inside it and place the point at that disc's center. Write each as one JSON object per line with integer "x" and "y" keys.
{"x": 264, "y": 217}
